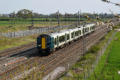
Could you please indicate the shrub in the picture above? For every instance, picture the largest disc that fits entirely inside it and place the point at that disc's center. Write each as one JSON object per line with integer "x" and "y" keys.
{"x": 93, "y": 49}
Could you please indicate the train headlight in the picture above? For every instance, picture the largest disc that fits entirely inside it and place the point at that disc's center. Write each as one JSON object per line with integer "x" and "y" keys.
{"x": 39, "y": 45}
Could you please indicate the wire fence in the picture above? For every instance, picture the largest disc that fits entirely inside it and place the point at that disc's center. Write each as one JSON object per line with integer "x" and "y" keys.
{"x": 100, "y": 53}
{"x": 35, "y": 31}
{"x": 39, "y": 31}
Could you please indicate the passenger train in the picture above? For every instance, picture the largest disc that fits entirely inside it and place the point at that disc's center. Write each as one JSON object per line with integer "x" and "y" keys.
{"x": 47, "y": 43}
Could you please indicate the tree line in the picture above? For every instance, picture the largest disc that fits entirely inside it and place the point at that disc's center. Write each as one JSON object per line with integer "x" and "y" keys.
{"x": 28, "y": 14}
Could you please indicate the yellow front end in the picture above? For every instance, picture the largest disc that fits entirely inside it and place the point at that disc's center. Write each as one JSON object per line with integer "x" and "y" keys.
{"x": 43, "y": 43}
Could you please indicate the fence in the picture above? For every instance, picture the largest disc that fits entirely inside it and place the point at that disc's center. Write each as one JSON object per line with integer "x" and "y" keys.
{"x": 39, "y": 31}
{"x": 35, "y": 31}
{"x": 100, "y": 53}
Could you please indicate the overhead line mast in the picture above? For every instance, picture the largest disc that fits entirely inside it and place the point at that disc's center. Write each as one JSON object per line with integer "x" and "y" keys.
{"x": 108, "y": 1}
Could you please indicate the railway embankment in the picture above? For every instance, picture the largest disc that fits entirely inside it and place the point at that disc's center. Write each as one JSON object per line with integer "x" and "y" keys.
{"x": 86, "y": 66}
{"x": 108, "y": 66}
{"x": 62, "y": 58}
{"x": 68, "y": 56}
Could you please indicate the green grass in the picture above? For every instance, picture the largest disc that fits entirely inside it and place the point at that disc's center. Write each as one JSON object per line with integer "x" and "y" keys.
{"x": 6, "y": 43}
{"x": 109, "y": 65}
{"x": 6, "y": 26}
{"x": 85, "y": 63}
{"x": 11, "y": 25}
{"x": 81, "y": 64}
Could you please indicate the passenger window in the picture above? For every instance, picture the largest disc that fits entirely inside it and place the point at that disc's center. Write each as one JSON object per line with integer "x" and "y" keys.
{"x": 86, "y": 29}
{"x": 90, "y": 28}
{"x": 80, "y": 32}
{"x": 72, "y": 34}
{"x": 83, "y": 30}
{"x": 55, "y": 41}
{"x": 62, "y": 38}
{"x": 76, "y": 33}
{"x": 68, "y": 36}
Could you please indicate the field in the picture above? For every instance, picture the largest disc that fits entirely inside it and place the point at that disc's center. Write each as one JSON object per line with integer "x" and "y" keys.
{"x": 109, "y": 65}
{"x": 6, "y": 43}
{"x": 18, "y": 25}
{"x": 6, "y": 26}
{"x": 11, "y": 24}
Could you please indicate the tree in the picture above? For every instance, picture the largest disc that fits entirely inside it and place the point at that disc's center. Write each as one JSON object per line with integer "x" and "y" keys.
{"x": 24, "y": 13}
{"x": 12, "y": 15}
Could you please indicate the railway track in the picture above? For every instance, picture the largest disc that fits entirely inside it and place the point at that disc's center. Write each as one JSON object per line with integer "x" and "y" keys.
{"x": 16, "y": 50}
{"x": 60, "y": 59}
{"x": 14, "y": 56}
{"x": 51, "y": 59}
{"x": 57, "y": 62}
{"x": 72, "y": 51}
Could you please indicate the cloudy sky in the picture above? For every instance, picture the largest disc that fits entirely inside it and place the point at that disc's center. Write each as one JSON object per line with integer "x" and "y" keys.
{"x": 51, "y": 6}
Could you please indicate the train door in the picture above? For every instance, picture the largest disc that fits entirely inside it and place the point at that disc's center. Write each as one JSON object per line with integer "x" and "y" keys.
{"x": 43, "y": 41}
{"x": 52, "y": 42}
{"x": 65, "y": 38}
{"x": 57, "y": 41}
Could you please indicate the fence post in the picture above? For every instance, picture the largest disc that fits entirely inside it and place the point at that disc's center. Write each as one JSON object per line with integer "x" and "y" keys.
{"x": 0, "y": 33}
{"x": 95, "y": 75}
{"x": 14, "y": 35}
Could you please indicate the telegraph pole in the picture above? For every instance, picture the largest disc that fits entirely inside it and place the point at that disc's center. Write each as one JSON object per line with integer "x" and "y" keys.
{"x": 32, "y": 24}
{"x": 79, "y": 13}
{"x": 84, "y": 40}
{"x": 65, "y": 19}
{"x": 58, "y": 18}
{"x": 84, "y": 46}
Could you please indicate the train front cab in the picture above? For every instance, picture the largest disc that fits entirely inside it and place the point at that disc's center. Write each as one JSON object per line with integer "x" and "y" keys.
{"x": 45, "y": 44}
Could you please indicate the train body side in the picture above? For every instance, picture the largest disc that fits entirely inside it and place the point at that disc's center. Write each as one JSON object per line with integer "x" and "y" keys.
{"x": 49, "y": 42}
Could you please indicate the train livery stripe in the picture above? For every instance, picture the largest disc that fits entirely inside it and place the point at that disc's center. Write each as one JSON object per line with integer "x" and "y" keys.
{"x": 43, "y": 43}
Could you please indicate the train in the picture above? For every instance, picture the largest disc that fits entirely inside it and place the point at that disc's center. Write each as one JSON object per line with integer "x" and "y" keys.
{"x": 47, "y": 43}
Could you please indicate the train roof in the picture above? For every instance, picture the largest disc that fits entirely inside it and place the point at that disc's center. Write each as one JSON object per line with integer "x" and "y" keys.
{"x": 64, "y": 31}
{"x": 59, "y": 33}
{"x": 55, "y": 34}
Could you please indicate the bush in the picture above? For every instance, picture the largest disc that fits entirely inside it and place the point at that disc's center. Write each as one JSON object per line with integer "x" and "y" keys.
{"x": 93, "y": 49}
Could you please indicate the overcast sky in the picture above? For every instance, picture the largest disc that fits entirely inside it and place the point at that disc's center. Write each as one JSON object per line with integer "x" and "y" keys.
{"x": 51, "y": 6}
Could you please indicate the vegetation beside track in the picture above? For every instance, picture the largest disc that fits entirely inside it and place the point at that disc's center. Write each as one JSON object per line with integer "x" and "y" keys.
{"x": 33, "y": 77}
{"x": 78, "y": 71}
{"x": 74, "y": 73}
{"x": 109, "y": 66}
{"x": 116, "y": 27}
{"x": 6, "y": 43}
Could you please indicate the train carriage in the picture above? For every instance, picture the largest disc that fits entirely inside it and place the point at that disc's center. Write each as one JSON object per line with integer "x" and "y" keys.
{"x": 49, "y": 42}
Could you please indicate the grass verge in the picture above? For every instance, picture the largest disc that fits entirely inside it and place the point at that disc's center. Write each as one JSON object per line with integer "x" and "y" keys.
{"x": 6, "y": 43}
{"x": 109, "y": 66}
{"x": 78, "y": 71}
